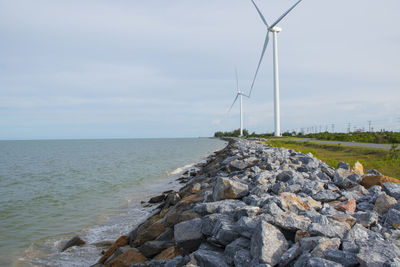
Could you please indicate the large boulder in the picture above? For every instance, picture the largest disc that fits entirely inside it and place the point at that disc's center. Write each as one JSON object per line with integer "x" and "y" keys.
{"x": 384, "y": 203}
{"x": 75, "y": 241}
{"x": 208, "y": 258}
{"x": 169, "y": 253}
{"x": 392, "y": 189}
{"x": 268, "y": 244}
{"x": 121, "y": 241}
{"x": 188, "y": 235}
{"x": 371, "y": 180}
{"x": 126, "y": 259}
{"x": 226, "y": 188}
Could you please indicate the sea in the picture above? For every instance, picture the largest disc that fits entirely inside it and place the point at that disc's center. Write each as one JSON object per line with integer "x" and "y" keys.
{"x": 52, "y": 190}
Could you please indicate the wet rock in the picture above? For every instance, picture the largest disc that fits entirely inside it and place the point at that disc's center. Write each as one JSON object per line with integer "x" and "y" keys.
{"x": 384, "y": 203}
{"x": 392, "y": 189}
{"x": 169, "y": 253}
{"x": 75, "y": 241}
{"x": 167, "y": 235}
{"x": 226, "y": 188}
{"x": 188, "y": 234}
{"x": 268, "y": 244}
{"x": 127, "y": 258}
{"x": 121, "y": 241}
{"x": 207, "y": 258}
{"x": 157, "y": 199}
{"x": 149, "y": 232}
{"x": 152, "y": 248}
{"x": 172, "y": 199}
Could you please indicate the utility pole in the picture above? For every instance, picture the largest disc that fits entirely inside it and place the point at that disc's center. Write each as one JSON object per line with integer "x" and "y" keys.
{"x": 369, "y": 126}
{"x": 333, "y": 127}
{"x": 349, "y": 127}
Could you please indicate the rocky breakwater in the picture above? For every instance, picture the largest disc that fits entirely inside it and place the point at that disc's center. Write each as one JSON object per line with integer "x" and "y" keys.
{"x": 255, "y": 205}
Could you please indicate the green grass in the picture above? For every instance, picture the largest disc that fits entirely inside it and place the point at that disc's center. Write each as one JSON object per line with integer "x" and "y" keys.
{"x": 384, "y": 160}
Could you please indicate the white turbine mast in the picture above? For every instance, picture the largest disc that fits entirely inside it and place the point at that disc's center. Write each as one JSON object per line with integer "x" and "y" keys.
{"x": 275, "y": 30}
{"x": 239, "y": 95}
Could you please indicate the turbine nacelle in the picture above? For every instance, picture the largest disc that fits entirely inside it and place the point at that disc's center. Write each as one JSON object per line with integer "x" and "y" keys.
{"x": 275, "y": 29}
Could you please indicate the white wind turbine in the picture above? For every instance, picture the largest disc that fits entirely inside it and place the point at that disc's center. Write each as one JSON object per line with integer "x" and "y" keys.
{"x": 275, "y": 30}
{"x": 239, "y": 95}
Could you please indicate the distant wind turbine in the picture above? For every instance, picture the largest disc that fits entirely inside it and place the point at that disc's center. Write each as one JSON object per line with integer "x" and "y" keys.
{"x": 239, "y": 95}
{"x": 275, "y": 30}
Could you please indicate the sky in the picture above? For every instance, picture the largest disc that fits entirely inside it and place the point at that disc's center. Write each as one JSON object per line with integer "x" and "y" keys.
{"x": 74, "y": 69}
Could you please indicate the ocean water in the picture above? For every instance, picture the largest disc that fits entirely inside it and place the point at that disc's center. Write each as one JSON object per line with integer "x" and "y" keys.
{"x": 53, "y": 190}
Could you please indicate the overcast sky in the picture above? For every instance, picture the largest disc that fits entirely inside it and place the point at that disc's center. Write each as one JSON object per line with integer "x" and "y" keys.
{"x": 156, "y": 68}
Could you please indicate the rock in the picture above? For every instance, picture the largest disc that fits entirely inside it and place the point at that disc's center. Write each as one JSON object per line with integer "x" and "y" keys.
{"x": 290, "y": 202}
{"x": 224, "y": 231}
{"x": 285, "y": 176}
{"x": 152, "y": 248}
{"x": 384, "y": 203}
{"x": 318, "y": 262}
{"x": 188, "y": 235}
{"x": 345, "y": 258}
{"x": 268, "y": 244}
{"x": 195, "y": 188}
{"x": 331, "y": 229}
{"x": 392, "y": 189}
{"x": 233, "y": 247}
{"x": 345, "y": 218}
{"x": 326, "y": 196}
{"x": 167, "y": 235}
{"x": 209, "y": 221}
{"x": 379, "y": 252}
{"x": 371, "y": 180}
{"x": 243, "y": 164}
{"x": 207, "y": 258}
{"x": 226, "y": 188}
{"x": 245, "y": 226}
{"x": 323, "y": 245}
{"x": 172, "y": 199}
{"x": 75, "y": 241}
{"x": 289, "y": 221}
{"x": 340, "y": 179}
{"x": 349, "y": 206}
{"x": 121, "y": 241}
{"x": 290, "y": 254}
{"x": 157, "y": 199}
{"x": 127, "y": 258}
{"x": 343, "y": 165}
{"x": 366, "y": 218}
{"x": 300, "y": 234}
{"x": 242, "y": 258}
{"x": 392, "y": 219}
{"x": 226, "y": 206}
{"x": 149, "y": 232}
{"x": 358, "y": 168}
{"x": 169, "y": 253}
{"x": 373, "y": 172}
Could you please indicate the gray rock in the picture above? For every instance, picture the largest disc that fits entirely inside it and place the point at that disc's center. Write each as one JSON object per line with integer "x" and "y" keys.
{"x": 261, "y": 190}
{"x": 326, "y": 196}
{"x": 340, "y": 179}
{"x": 323, "y": 245}
{"x": 357, "y": 237}
{"x": 366, "y": 218}
{"x": 343, "y": 165}
{"x": 208, "y": 258}
{"x": 265, "y": 177}
{"x": 355, "y": 178}
{"x": 247, "y": 211}
{"x": 331, "y": 229}
{"x": 188, "y": 234}
{"x": 224, "y": 232}
{"x": 290, "y": 255}
{"x": 347, "y": 259}
{"x": 285, "y": 176}
{"x": 168, "y": 235}
{"x": 226, "y": 206}
{"x": 242, "y": 257}
{"x": 209, "y": 221}
{"x": 233, "y": 247}
{"x": 372, "y": 172}
{"x": 278, "y": 187}
{"x": 392, "y": 219}
{"x": 245, "y": 226}
{"x": 365, "y": 206}
{"x": 318, "y": 262}
{"x": 152, "y": 248}
{"x": 226, "y": 188}
{"x": 379, "y": 252}
{"x": 268, "y": 244}
{"x": 243, "y": 164}
{"x": 289, "y": 221}
{"x": 75, "y": 241}
{"x": 392, "y": 189}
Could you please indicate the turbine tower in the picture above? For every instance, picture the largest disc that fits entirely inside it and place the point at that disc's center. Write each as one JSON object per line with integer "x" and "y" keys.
{"x": 275, "y": 30}
{"x": 239, "y": 95}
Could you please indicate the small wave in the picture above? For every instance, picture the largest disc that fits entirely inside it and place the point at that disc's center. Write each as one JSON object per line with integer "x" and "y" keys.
{"x": 181, "y": 170}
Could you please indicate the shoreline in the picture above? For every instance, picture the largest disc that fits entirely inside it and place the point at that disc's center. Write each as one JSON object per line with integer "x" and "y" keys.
{"x": 256, "y": 205}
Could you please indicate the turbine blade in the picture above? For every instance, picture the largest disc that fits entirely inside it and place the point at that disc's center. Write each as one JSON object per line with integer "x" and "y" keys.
{"x": 234, "y": 101}
{"x": 259, "y": 62}
{"x": 237, "y": 80}
{"x": 261, "y": 15}
{"x": 284, "y": 15}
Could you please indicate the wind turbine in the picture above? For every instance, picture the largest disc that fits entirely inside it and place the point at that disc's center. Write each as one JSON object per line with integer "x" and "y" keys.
{"x": 275, "y": 30}
{"x": 239, "y": 95}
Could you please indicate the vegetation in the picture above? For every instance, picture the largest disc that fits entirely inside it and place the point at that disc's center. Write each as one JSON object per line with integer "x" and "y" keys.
{"x": 362, "y": 137}
{"x": 384, "y": 160}
{"x": 235, "y": 133}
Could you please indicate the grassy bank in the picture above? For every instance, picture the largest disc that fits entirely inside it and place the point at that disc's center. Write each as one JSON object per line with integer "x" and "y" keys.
{"x": 384, "y": 160}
